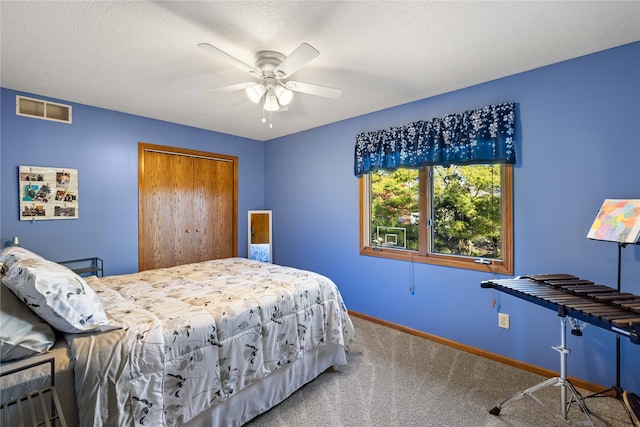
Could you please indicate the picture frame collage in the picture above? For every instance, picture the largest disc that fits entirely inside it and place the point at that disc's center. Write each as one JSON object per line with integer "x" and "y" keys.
{"x": 48, "y": 193}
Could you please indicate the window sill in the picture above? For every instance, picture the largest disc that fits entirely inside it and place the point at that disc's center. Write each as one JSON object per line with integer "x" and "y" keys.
{"x": 468, "y": 263}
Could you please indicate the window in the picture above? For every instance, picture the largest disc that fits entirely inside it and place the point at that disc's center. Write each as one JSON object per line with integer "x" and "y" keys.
{"x": 458, "y": 216}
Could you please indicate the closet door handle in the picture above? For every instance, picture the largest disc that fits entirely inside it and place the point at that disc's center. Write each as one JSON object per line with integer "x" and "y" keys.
{"x": 188, "y": 230}
{"x": 197, "y": 230}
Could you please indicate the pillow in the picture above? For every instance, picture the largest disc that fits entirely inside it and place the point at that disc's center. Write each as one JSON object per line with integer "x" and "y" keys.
{"x": 22, "y": 333}
{"x": 12, "y": 254}
{"x": 57, "y": 295}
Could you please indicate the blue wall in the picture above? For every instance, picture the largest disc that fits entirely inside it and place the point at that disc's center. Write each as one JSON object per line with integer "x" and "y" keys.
{"x": 579, "y": 143}
{"x": 578, "y": 140}
{"x": 103, "y": 146}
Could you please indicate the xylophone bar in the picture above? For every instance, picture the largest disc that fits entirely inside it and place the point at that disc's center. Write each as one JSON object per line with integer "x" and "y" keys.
{"x": 598, "y": 305}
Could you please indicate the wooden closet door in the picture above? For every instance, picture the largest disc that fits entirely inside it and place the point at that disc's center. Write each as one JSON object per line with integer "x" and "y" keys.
{"x": 168, "y": 214}
{"x": 213, "y": 187}
{"x": 188, "y": 206}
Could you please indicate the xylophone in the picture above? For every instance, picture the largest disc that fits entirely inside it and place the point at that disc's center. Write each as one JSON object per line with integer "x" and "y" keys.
{"x": 580, "y": 299}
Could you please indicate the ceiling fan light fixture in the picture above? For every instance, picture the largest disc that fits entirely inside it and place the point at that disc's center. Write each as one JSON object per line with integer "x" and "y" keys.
{"x": 255, "y": 92}
{"x": 272, "y": 68}
{"x": 284, "y": 95}
{"x": 271, "y": 101}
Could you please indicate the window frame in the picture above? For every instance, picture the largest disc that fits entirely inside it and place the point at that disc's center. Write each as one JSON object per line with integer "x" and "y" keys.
{"x": 503, "y": 266}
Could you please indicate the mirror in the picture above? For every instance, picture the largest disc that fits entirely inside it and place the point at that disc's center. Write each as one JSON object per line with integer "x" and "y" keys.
{"x": 260, "y": 236}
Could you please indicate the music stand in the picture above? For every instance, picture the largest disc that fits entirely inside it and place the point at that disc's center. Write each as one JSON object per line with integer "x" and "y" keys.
{"x": 617, "y": 221}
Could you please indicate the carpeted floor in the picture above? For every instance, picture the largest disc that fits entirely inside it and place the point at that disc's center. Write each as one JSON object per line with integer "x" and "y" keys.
{"x": 397, "y": 379}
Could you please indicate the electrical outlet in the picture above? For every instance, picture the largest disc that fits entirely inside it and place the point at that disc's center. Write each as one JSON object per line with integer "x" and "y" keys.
{"x": 503, "y": 320}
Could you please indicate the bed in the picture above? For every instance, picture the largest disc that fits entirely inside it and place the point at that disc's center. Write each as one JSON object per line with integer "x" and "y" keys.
{"x": 211, "y": 343}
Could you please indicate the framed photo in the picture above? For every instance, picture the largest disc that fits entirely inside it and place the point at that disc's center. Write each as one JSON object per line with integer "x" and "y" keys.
{"x": 48, "y": 193}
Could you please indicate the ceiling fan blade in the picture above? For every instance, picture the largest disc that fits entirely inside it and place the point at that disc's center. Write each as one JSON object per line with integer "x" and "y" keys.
{"x": 231, "y": 88}
{"x": 311, "y": 89}
{"x": 300, "y": 57}
{"x": 224, "y": 55}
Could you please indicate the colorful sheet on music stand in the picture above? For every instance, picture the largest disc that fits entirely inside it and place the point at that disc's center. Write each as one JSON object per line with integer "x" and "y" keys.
{"x": 617, "y": 221}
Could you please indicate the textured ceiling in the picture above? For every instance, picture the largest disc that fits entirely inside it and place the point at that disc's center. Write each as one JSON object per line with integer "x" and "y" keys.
{"x": 141, "y": 57}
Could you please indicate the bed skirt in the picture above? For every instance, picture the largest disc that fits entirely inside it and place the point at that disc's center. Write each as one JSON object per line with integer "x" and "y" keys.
{"x": 266, "y": 393}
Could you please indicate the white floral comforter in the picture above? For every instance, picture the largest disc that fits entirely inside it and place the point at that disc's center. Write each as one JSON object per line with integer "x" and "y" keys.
{"x": 195, "y": 335}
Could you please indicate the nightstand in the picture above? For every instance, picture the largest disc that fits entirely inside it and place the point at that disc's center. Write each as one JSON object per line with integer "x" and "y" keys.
{"x": 85, "y": 266}
{"x": 38, "y": 407}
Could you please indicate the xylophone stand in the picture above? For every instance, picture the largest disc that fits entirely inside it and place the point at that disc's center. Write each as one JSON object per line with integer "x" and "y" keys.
{"x": 560, "y": 381}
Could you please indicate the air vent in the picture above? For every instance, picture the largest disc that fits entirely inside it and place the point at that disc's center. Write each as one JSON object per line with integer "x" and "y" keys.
{"x": 39, "y": 109}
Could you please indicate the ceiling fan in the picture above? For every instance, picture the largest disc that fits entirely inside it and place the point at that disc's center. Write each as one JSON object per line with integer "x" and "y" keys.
{"x": 272, "y": 71}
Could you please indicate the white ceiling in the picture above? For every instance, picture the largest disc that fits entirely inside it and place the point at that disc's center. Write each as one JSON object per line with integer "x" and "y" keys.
{"x": 141, "y": 57}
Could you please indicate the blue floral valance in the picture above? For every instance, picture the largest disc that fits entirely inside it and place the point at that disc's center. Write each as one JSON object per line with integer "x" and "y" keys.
{"x": 476, "y": 136}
